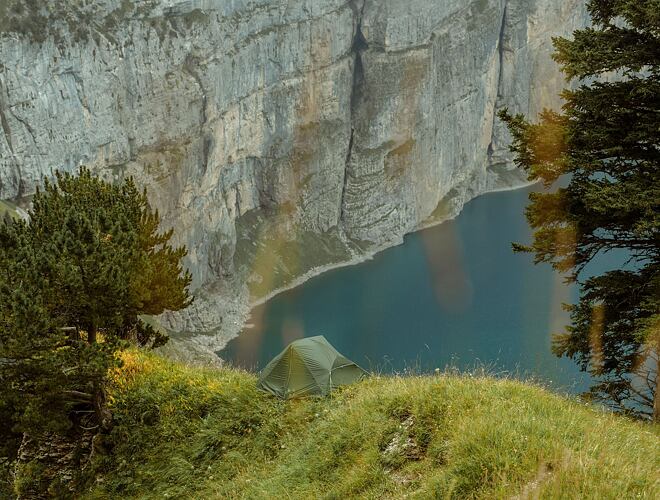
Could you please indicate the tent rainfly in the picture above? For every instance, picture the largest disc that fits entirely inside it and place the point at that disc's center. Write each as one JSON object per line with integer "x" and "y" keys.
{"x": 307, "y": 367}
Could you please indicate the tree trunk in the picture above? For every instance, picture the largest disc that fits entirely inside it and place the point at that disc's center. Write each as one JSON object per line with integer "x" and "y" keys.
{"x": 656, "y": 396}
{"x": 103, "y": 415}
{"x": 91, "y": 334}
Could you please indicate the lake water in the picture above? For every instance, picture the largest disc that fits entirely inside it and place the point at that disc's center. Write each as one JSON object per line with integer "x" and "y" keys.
{"x": 453, "y": 295}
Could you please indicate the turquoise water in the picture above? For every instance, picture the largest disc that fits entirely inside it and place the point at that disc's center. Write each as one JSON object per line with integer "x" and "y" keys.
{"x": 453, "y": 295}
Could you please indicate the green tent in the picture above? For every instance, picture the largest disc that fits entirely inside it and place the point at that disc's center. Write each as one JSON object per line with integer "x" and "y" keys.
{"x": 307, "y": 367}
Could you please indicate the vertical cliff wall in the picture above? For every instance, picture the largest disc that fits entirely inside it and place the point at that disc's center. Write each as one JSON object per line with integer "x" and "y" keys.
{"x": 275, "y": 136}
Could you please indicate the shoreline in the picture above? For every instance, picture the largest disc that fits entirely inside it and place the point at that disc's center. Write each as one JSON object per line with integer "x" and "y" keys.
{"x": 317, "y": 271}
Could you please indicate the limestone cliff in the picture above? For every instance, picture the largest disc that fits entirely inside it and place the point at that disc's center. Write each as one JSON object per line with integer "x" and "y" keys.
{"x": 276, "y": 136}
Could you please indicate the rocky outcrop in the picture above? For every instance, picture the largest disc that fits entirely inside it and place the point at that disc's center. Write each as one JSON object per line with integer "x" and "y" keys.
{"x": 276, "y": 137}
{"x": 53, "y": 465}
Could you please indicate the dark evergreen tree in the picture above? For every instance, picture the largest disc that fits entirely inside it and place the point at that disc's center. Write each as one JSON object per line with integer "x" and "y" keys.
{"x": 607, "y": 142}
{"x": 74, "y": 281}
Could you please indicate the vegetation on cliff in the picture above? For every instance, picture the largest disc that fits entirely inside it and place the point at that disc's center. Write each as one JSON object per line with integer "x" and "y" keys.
{"x": 184, "y": 432}
{"x": 76, "y": 21}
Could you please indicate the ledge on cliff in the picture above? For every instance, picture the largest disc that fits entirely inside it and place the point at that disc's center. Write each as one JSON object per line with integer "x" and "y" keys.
{"x": 187, "y": 432}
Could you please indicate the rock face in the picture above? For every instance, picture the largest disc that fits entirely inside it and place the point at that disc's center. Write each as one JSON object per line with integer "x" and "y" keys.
{"x": 275, "y": 136}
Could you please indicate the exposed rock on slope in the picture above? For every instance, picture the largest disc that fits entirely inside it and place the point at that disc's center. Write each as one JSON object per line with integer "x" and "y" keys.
{"x": 275, "y": 136}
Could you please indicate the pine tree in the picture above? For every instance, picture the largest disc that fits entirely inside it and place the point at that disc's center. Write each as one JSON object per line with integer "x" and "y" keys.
{"x": 74, "y": 281}
{"x": 606, "y": 141}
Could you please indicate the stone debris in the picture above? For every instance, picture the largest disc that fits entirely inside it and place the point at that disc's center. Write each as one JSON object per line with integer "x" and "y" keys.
{"x": 403, "y": 444}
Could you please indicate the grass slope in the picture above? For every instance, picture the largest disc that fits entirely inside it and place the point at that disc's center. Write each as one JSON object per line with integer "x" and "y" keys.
{"x": 8, "y": 208}
{"x": 187, "y": 432}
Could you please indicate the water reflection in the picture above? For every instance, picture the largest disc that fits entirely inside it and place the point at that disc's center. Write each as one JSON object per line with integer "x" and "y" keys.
{"x": 444, "y": 254}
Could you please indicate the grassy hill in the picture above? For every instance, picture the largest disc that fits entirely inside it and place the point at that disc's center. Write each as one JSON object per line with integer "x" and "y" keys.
{"x": 8, "y": 208}
{"x": 186, "y": 432}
